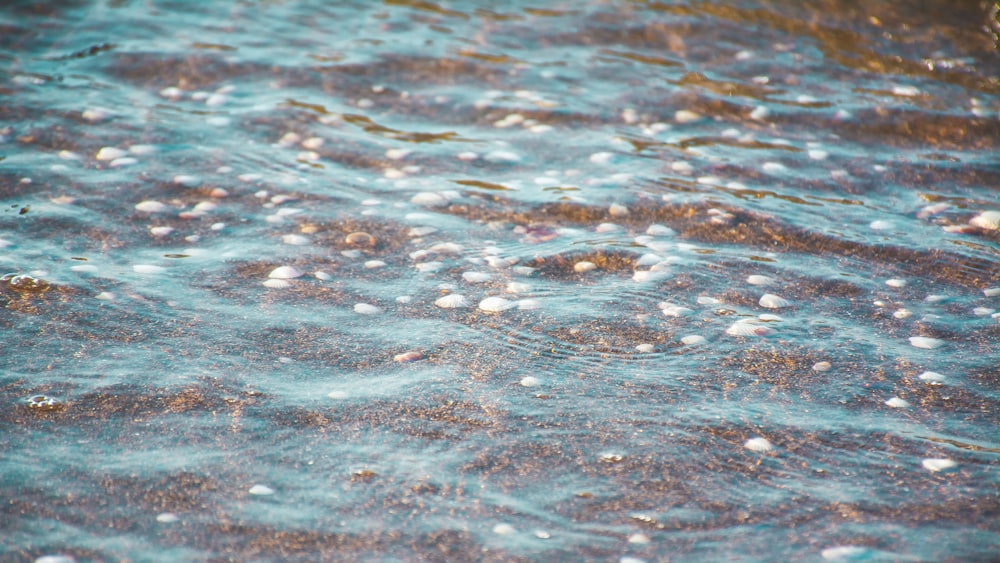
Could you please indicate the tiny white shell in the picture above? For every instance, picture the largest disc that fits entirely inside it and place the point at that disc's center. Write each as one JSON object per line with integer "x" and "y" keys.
{"x": 496, "y": 304}
{"x": 150, "y": 206}
{"x": 452, "y": 301}
{"x": 758, "y": 445}
{"x": 277, "y": 284}
{"x": 476, "y": 277}
{"x": 897, "y": 403}
{"x": 925, "y": 342}
{"x": 939, "y": 464}
{"x": 932, "y": 377}
{"x": 366, "y": 309}
{"x": 772, "y": 301}
{"x": 584, "y": 266}
{"x": 757, "y": 279}
{"x": 746, "y": 328}
{"x": 693, "y": 340}
{"x": 986, "y": 220}
{"x": 261, "y": 490}
{"x": 657, "y": 230}
{"x": 285, "y": 273}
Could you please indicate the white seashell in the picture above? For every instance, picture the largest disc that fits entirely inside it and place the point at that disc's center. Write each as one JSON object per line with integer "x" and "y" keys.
{"x": 686, "y": 116}
{"x": 660, "y": 231}
{"x": 295, "y": 240}
{"x": 925, "y": 342}
{"x": 932, "y": 377}
{"x": 846, "y": 553}
{"x": 648, "y": 260}
{"x": 772, "y": 301}
{"x": 584, "y": 266}
{"x": 671, "y": 310}
{"x": 822, "y": 366}
{"x": 530, "y": 381}
{"x": 758, "y": 445}
{"x": 428, "y": 267}
{"x": 496, "y": 304}
{"x": 285, "y": 273}
{"x": 476, "y": 277}
{"x": 897, "y": 403}
{"x": 321, "y": 275}
{"x": 366, "y": 309}
{"x": 150, "y": 206}
{"x": 693, "y": 340}
{"x": 757, "y": 279}
{"x": 989, "y": 220}
{"x": 278, "y": 284}
{"x": 261, "y": 490}
{"x": 748, "y": 328}
{"x": 938, "y": 464}
{"x": 618, "y": 210}
{"x": 110, "y": 153}
{"x": 770, "y": 318}
{"x": 895, "y": 283}
{"x": 452, "y": 301}
{"x": 518, "y": 287}
{"x": 607, "y": 228}
{"x": 446, "y": 248}
{"x": 372, "y": 264}
{"x": 429, "y": 199}
{"x": 991, "y": 291}
{"x": 645, "y": 348}
{"x": 902, "y": 314}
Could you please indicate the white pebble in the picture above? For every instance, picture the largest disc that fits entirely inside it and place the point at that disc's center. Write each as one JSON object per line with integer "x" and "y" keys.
{"x": 452, "y": 301}
{"x": 618, "y": 210}
{"x": 772, "y": 301}
{"x": 429, "y": 199}
{"x": 897, "y": 403}
{"x": 373, "y": 264}
{"x": 902, "y": 314}
{"x": 758, "y": 445}
{"x": 496, "y": 304}
{"x": 938, "y": 465}
{"x": 638, "y": 538}
{"x": 530, "y": 381}
{"x": 261, "y": 490}
{"x": 285, "y": 273}
{"x": 908, "y": 91}
{"x": 925, "y": 342}
{"x": 366, "y": 309}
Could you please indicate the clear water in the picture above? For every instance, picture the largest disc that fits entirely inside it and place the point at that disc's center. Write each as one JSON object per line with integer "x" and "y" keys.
{"x": 161, "y": 159}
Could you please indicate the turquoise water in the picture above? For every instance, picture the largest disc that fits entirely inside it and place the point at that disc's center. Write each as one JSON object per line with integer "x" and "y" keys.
{"x": 588, "y": 280}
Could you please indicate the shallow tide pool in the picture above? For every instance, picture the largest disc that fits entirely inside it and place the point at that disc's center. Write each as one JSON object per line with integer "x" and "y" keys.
{"x": 452, "y": 281}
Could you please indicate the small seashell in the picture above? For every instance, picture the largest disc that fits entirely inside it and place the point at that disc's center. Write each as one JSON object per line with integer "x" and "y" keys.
{"x": 584, "y": 266}
{"x": 939, "y": 465}
{"x": 277, "y": 284}
{"x": 660, "y": 231}
{"x": 618, "y": 210}
{"x": 530, "y": 381}
{"x": 110, "y": 153}
{"x": 452, "y": 301}
{"x": 989, "y": 220}
{"x": 748, "y": 328}
{"x": 822, "y": 366}
{"x": 496, "y": 304}
{"x": 261, "y": 490}
{"x": 429, "y": 199}
{"x": 645, "y": 348}
{"x": 407, "y": 357}
{"x": 693, "y": 340}
{"x": 897, "y": 403}
{"x": 757, "y": 279}
{"x": 366, "y": 309}
{"x": 932, "y": 377}
{"x": 772, "y": 301}
{"x": 476, "y": 277}
{"x": 895, "y": 283}
{"x": 360, "y": 239}
{"x": 528, "y": 304}
{"x": 925, "y": 342}
{"x": 150, "y": 206}
{"x": 758, "y": 445}
{"x": 671, "y": 310}
{"x": 285, "y": 273}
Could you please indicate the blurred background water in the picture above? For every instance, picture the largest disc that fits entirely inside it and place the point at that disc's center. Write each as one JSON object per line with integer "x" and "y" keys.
{"x": 582, "y": 280}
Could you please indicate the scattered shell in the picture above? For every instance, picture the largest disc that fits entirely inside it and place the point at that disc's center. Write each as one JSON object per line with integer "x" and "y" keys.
{"x": 366, "y": 309}
{"x": 902, "y": 314}
{"x": 261, "y": 490}
{"x": 150, "y": 206}
{"x": 897, "y": 403}
{"x": 748, "y": 328}
{"x": 686, "y": 116}
{"x": 110, "y": 153}
{"x": 989, "y": 220}
{"x": 618, "y": 210}
{"x": 660, "y": 231}
{"x": 758, "y": 445}
{"x": 770, "y": 318}
{"x": 496, "y": 304}
{"x": 528, "y": 304}
{"x": 530, "y": 381}
{"x": 757, "y": 279}
{"x": 407, "y": 357}
{"x": 772, "y": 301}
{"x": 452, "y": 301}
{"x": 693, "y": 340}
{"x": 372, "y": 264}
{"x": 938, "y": 465}
{"x": 504, "y": 529}
{"x": 991, "y": 291}
{"x": 638, "y": 538}
{"x": 822, "y": 366}
{"x": 360, "y": 239}
{"x": 476, "y": 277}
{"x": 671, "y": 310}
{"x": 584, "y": 266}
{"x": 277, "y": 284}
{"x": 895, "y": 283}
{"x": 925, "y": 342}
{"x": 645, "y": 348}
{"x": 932, "y": 377}
{"x": 429, "y": 199}
{"x": 167, "y": 518}
{"x": 285, "y": 273}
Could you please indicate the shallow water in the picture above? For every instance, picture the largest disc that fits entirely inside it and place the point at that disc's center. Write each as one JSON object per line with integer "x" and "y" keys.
{"x": 614, "y": 171}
